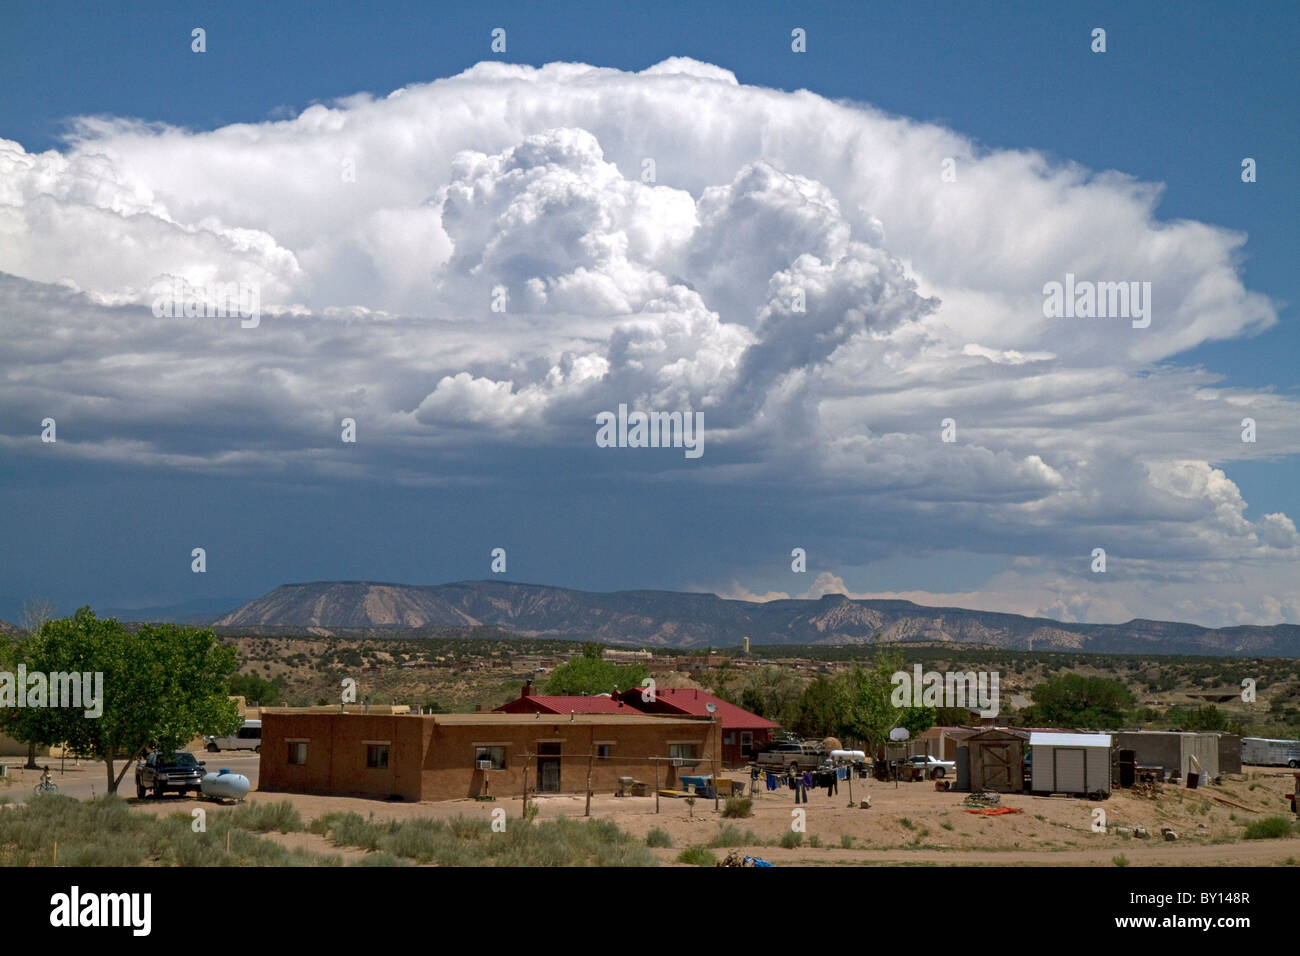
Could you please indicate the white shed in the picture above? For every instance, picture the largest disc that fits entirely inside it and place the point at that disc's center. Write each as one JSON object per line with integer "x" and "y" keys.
{"x": 1070, "y": 763}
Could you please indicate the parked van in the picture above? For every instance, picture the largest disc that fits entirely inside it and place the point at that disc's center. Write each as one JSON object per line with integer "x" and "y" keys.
{"x": 249, "y": 737}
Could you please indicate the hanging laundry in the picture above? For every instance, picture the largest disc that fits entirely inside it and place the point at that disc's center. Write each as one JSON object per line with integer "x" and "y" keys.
{"x": 807, "y": 779}
{"x": 771, "y": 781}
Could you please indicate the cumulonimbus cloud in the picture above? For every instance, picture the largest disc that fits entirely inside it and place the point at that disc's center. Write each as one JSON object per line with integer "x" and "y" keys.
{"x": 497, "y": 256}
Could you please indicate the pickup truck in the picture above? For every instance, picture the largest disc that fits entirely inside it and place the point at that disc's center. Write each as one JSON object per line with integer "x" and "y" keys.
{"x": 792, "y": 756}
{"x": 932, "y": 766}
{"x": 178, "y": 772}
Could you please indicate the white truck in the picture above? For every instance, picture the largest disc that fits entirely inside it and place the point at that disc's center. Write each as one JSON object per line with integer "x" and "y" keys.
{"x": 1270, "y": 752}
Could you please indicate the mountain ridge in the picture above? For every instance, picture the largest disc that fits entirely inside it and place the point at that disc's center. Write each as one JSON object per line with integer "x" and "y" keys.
{"x": 691, "y": 619}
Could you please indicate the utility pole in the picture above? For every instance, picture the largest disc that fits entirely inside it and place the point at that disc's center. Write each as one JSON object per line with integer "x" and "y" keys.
{"x": 527, "y": 757}
{"x": 717, "y": 751}
{"x": 591, "y": 759}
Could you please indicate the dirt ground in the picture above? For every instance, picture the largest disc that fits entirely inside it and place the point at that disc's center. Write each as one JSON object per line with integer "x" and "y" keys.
{"x": 908, "y": 823}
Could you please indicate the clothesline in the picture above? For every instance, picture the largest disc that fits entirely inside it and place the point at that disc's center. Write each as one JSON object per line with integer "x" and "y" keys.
{"x": 810, "y": 779}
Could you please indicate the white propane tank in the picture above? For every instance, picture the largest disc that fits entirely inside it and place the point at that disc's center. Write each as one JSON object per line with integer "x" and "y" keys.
{"x": 233, "y": 786}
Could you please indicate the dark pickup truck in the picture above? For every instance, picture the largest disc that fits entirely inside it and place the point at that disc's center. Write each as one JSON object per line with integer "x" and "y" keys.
{"x": 178, "y": 772}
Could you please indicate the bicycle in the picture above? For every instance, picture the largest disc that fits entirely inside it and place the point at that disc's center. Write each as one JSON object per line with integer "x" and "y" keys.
{"x": 50, "y": 787}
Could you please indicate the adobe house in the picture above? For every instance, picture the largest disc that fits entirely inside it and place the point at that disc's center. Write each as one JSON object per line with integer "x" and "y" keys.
{"x": 743, "y": 733}
{"x": 449, "y": 756}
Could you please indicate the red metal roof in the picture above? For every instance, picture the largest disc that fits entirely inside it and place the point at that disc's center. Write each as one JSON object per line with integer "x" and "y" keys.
{"x": 688, "y": 700}
{"x": 566, "y": 705}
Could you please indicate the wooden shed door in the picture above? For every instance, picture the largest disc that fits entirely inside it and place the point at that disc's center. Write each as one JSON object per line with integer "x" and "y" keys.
{"x": 999, "y": 762}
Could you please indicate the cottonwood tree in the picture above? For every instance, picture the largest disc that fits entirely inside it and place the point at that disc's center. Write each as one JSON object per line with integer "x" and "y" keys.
{"x": 1073, "y": 700}
{"x": 592, "y": 674}
{"x": 867, "y": 712}
{"x": 164, "y": 685}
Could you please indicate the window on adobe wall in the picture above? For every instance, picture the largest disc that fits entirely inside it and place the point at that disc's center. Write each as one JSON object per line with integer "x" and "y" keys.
{"x": 604, "y": 751}
{"x": 298, "y": 753}
{"x": 495, "y": 755}
{"x": 684, "y": 751}
{"x": 377, "y": 756}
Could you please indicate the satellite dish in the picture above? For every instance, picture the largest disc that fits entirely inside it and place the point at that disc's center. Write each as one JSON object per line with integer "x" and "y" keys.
{"x": 899, "y": 733}
{"x": 711, "y": 707}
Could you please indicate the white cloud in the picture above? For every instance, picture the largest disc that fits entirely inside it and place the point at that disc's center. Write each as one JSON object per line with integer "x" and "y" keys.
{"x": 921, "y": 300}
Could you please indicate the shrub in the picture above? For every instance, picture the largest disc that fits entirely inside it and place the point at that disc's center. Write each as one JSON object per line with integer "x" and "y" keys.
{"x": 1270, "y": 828}
{"x": 381, "y": 859}
{"x": 846, "y": 841}
{"x": 1120, "y": 860}
{"x": 738, "y": 807}
{"x": 697, "y": 856}
{"x": 729, "y": 836}
{"x": 790, "y": 839}
{"x": 104, "y": 832}
{"x": 265, "y": 817}
{"x": 659, "y": 838}
{"x": 465, "y": 841}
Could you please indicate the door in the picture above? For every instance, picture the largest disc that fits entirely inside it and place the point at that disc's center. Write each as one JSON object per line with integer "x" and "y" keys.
{"x": 998, "y": 761}
{"x": 1070, "y": 770}
{"x": 548, "y": 768}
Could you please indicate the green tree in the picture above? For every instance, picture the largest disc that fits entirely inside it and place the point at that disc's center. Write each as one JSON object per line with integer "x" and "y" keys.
{"x": 162, "y": 685}
{"x": 590, "y": 674}
{"x": 1073, "y": 700}
{"x": 866, "y": 711}
{"x": 773, "y": 692}
{"x": 256, "y": 690}
{"x": 818, "y": 708}
{"x": 952, "y": 716}
{"x": 1205, "y": 717}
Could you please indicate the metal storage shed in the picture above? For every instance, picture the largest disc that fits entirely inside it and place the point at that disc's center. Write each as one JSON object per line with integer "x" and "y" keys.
{"x": 1077, "y": 764}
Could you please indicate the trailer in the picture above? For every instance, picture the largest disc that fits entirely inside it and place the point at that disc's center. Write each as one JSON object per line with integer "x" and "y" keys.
{"x": 1270, "y": 752}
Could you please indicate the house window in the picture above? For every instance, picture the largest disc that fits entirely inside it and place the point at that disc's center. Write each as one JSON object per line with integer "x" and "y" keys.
{"x": 746, "y": 742}
{"x": 684, "y": 751}
{"x": 604, "y": 751}
{"x": 377, "y": 756}
{"x": 494, "y": 755}
{"x": 298, "y": 754}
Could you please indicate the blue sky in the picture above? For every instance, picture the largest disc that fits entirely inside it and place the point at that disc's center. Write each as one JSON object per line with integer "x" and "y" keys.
{"x": 1183, "y": 92}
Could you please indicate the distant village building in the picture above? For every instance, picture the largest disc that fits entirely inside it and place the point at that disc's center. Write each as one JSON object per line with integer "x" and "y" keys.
{"x": 626, "y": 657}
